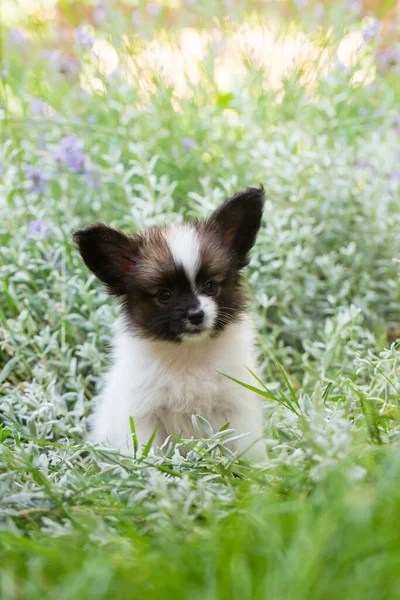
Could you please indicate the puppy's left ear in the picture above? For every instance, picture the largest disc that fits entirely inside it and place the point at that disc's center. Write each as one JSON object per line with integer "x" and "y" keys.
{"x": 238, "y": 219}
{"x": 110, "y": 254}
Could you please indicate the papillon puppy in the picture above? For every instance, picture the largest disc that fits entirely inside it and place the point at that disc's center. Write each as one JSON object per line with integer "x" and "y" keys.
{"x": 182, "y": 327}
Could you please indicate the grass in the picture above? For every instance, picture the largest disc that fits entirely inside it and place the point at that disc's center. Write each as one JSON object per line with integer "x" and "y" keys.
{"x": 165, "y": 123}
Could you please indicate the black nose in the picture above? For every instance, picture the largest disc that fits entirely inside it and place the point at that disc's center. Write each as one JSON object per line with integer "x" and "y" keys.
{"x": 195, "y": 316}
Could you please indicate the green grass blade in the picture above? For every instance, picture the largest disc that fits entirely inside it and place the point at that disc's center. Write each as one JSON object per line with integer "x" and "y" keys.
{"x": 149, "y": 444}
{"x": 288, "y": 384}
{"x": 262, "y": 393}
{"x": 134, "y": 436}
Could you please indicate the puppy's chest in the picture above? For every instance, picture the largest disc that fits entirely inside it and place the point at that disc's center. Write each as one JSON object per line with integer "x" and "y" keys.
{"x": 190, "y": 388}
{"x": 186, "y": 388}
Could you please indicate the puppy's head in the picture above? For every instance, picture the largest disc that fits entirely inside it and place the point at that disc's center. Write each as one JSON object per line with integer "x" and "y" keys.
{"x": 180, "y": 282}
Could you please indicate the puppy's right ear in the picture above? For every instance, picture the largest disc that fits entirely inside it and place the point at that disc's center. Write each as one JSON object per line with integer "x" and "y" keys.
{"x": 110, "y": 254}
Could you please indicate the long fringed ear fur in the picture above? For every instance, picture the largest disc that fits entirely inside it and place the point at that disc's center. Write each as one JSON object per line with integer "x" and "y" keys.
{"x": 109, "y": 254}
{"x": 238, "y": 220}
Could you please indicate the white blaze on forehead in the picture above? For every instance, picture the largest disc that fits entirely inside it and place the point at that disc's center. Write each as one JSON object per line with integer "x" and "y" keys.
{"x": 184, "y": 244}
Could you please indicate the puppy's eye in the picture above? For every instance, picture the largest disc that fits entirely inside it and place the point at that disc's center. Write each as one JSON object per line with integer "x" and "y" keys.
{"x": 163, "y": 296}
{"x": 211, "y": 288}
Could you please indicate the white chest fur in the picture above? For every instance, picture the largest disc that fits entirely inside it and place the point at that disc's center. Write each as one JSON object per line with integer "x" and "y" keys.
{"x": 162, "y": 384}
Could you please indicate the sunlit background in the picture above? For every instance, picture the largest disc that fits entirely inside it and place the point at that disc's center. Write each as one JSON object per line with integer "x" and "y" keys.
{"x": 136, "y": 40}
{"x": 107, "y": 66}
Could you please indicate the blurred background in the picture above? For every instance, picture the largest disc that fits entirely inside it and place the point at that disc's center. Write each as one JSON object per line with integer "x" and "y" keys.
{"x": 198, "y": 78}
{"x": 216, "y": 69}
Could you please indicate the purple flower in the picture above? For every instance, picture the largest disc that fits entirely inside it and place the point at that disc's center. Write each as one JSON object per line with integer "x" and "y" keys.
{"x": 396, "y": 123}
{"x": 388, "y": 58}
{"x": 38, "y": 180}
{"x": 136, "y": 18}
{"x": 100, "y": 12}
{"x": 4, "y": 70}
{"x": 340, "y": 67}
{"x": 37, "y": 107}
{"x": 14, "y": 38}
{"x": 301, "y": 3}
{"x": 92, "y": 177}
{"x": 38, "y": 228}
{"x": 355, "y": 7}
{"x": 65, "y": 65}
{"x": 362, "y": 164}
{"x": 319, "y": 11}
{"x": 395, "y": 176}
{"x": 370, "y": 31}
{"x": 153, "y": 9}
{"x": 42, "y": 144}
{"x": 363, "y": 112}
{"x": 69, "y": 151}
{"x": 84, "y": 37}
{"x": 188, "y": 143}
{"x": 68, "y": 66}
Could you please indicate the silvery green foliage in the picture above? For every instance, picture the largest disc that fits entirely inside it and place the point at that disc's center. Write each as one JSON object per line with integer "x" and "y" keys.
{"x": 323, "y": 284}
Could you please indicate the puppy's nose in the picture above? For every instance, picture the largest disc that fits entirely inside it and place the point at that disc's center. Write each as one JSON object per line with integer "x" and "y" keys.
{"x": 195, "y": 316}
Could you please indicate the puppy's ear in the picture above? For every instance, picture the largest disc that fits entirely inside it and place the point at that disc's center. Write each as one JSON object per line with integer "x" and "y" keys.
{"x": 238, "y": 219}
{"x": 109, "y": 253}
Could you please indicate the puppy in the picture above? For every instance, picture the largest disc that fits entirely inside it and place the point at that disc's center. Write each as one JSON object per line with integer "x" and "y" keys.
{"x": 182, "y": 326}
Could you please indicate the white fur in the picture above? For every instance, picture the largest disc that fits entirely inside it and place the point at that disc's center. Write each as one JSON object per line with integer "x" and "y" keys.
{"x": 163, "y": 384}
{"x": 184, "y": 244}
{"x": 210, "y": 310}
